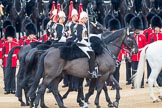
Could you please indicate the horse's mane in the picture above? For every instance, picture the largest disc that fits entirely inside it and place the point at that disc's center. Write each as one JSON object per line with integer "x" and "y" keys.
{"x": 34, "y": 44}
{"x": 111, "y": 36}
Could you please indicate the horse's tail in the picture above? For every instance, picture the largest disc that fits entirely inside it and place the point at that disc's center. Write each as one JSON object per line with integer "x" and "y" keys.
{"x": 140, "y": 70}
{"x": 9, "y": 60}
{"x": 31, "y": 62}
{"x": 38, "y": 75}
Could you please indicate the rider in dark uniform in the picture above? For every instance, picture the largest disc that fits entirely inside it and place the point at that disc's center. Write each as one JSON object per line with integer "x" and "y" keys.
{"x": 80, "y": 37}
{"x": 59, "y": 29}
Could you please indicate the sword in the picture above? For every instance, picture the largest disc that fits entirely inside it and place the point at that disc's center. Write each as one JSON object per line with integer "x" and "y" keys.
{"x": 88, "y": 29}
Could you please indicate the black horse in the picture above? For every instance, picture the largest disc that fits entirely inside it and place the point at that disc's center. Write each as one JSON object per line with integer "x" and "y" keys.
{"x": 34, "y": 10}
{"x": 16, "y": 13}
{"x": 81, "y": 72}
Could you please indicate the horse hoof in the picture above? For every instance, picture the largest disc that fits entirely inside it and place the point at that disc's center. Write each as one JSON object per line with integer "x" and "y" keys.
{"x": 98, "y": 106}
{"x": 85, "y": 105}
{"x": 23, "y": 104}
{"x": 160, "y": 97}
{"x": 110, "y": 105}
{"x": 27, "y": 104}
{"x": 115, "y": 104}
{"x": 81, "y": 104}
{"x": 44, "y": 106}
{"x": 64, "y": 97}
{"x": 155, "y": 101}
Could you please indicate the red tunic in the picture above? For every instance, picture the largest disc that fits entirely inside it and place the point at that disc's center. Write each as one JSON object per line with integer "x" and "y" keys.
{"x": 141, "y": 42}
{"x": 147, "y": 32}
{"x": 120, "y": 54}
{"x": 44, "y": 38}
{"x": 8, "y": 46}
{"x": 1, "y": 44}
{"x": 25, "y": 41}
{"x": 154, "y": 37}
{"x": 22, "y": 40}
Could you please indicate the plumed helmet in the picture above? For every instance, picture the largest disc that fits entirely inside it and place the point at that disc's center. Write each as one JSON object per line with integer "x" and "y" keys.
{"x": 6, "y": 23}
{"x": 83, "y": 14}
{"x": 61, "y": 14}
{"x": 114, "y": 24}
{"x": 149, "y": 17}
{"x": 54, "y": 12}
{"x": 74, "y": 12}
{"x": 136, "y": 23}
{"x": 30, "y": 29}
{"x": 10, "y": 32}
{"x": 156, "y": 22}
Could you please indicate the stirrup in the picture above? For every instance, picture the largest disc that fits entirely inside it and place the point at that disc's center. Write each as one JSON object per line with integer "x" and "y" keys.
{"x": 94, "y": 74}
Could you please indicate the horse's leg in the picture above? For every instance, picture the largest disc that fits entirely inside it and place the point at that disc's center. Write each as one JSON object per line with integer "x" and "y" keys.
{"x": 56, "y": 92}
{"x": 19, "y": 87}
{"x": 42, "y": 104}
{"x": 66, "y": 94}
{"x": 80, "y": 96}
{"x": 27, "y": 99}
{"x": 151, "y": 80}
{"x": 110, "y": 104}
{"x": 100, "y": 85}
{"x": 116, "y": 103}
{"x": 159, "y": 90}
{"x": 91, "y": 89}
{"x": 40, "y": 92}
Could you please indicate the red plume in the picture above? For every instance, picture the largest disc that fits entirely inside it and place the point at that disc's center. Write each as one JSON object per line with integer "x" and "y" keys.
{"x": 55, "y": 19}
{"x": 80, "y": 9}
{"x": 70, "y": 10}
{"x": 53, "y": 8}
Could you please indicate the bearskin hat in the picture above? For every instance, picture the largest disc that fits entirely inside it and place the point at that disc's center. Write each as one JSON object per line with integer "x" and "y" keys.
{"x": 149, "y": 17}
{"x": 128, "y": 18}
{"x": 136, "y": 23}
{"x": 156, "y": 22}
{"x": 114, "y": 24}
{"x": 30, "y": 29}
{"x": 10, "y": 31}
{"x": 6, "y": 23}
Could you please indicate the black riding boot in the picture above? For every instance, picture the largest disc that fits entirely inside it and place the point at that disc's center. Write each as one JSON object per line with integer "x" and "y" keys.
{"x": 92, "y": 64}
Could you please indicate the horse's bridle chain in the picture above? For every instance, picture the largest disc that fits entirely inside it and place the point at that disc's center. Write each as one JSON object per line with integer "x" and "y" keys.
{"x": 117, "y": 62}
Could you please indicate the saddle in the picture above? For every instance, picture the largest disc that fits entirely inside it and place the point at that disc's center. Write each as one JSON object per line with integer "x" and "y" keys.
{"x": 71, "y": 51}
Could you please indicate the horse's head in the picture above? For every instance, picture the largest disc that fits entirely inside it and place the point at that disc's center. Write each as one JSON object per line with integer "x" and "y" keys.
{"x": 96, "y": 28}
{"x": 131, "y": 43}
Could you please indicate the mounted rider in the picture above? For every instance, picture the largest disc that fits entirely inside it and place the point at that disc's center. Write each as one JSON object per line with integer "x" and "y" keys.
{"x": 72, "y": 24}
{"x": 80, "y": 37}
{"x": 59, "y": 34}
{"x": 52, "y": 23}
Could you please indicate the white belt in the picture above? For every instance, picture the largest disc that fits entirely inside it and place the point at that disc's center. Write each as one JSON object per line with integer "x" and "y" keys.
{"x": 6, "y": 55}
{"x": 0, "y": 49}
